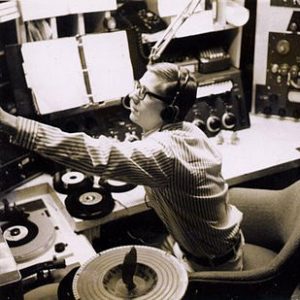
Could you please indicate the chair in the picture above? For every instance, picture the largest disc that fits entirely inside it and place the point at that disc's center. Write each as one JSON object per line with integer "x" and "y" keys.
{"x": 271, "y": 226}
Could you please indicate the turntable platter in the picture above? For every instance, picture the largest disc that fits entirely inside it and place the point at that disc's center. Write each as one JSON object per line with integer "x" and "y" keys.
{"x": 158, "y": 276}
{"x": 19, "y": 233}
{"x": 31, "y": 238}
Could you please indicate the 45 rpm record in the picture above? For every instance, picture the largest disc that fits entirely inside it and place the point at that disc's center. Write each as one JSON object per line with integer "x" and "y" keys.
{"x": 158, "y": 276}
{"x": 69, "y": 181}
{"x": 95, "y": 203}
{"x": 116, "y": 186}
{"x": 19, "y": 233}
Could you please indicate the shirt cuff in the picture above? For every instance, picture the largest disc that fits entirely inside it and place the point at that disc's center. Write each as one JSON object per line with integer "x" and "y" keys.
{"x": 26, "y": 133}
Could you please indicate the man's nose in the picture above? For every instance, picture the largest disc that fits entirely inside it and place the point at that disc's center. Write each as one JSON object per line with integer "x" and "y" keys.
{"x": 134, "y": 97}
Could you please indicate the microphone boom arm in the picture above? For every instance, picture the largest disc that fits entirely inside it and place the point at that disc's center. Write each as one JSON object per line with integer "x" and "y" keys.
{"x": 171, "y": 30}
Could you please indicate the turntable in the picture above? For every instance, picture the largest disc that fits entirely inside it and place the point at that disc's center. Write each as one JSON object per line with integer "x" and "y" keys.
{"x": 27, "y": 229}
{"x": 37, "y": 233}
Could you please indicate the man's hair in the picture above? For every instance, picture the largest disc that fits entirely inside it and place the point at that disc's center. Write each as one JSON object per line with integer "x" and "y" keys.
{"x": 172, "y": 86}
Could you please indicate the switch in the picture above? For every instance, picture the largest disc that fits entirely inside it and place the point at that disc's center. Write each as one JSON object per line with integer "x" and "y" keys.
{"x": 60, "y": 247}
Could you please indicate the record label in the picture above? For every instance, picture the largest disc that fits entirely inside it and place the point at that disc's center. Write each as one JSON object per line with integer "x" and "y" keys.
{"x": 90, "y": 198}
{"x": 15, "y": 233}
{"x": 72, "y": 178}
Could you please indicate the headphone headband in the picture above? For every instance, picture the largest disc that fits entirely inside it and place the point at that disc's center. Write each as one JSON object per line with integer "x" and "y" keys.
{"x": 181, "y": 84}
{"x": 171, "y": 112}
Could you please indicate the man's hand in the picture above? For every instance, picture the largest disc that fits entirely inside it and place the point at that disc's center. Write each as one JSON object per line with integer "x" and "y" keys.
{"x": 8, "y": 122}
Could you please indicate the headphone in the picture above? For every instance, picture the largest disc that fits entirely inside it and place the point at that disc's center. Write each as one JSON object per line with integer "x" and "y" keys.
{"x": 170, "y": 113}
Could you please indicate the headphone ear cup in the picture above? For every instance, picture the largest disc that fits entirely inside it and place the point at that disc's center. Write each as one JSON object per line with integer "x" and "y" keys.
{"x": 126, "y": 102}
{"x": 170, "y": 113}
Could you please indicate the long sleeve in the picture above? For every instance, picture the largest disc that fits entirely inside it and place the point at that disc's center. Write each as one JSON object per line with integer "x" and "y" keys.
{"x": 178, "y": 166}
{"x": 144, "y": 162}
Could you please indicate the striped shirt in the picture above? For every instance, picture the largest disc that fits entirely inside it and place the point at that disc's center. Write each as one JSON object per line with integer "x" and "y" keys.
{"x": 177, "y": 165}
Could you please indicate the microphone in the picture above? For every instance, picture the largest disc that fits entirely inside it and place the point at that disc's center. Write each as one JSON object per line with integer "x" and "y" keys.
{"x": 126, "y": 102}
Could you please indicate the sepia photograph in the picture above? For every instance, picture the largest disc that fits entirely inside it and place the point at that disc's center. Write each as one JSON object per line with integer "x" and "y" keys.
{"x": 150, "y": 149}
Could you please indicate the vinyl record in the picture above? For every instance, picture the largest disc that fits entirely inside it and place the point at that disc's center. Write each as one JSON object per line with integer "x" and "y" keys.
{"x": 158, "y": 276}
{"x": 69, "y": 181}
{"x": 19, "y": 233}
{"x": 30, "y": 239}
{"x": 95, "y": 203}
{"x": 116, "y": 186}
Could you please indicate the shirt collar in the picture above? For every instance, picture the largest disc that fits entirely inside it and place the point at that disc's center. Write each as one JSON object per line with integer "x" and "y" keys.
{"x": 162, "y": 128}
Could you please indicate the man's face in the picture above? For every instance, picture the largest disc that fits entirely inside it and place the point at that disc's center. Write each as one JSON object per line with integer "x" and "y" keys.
{"x": 146, "y": 112}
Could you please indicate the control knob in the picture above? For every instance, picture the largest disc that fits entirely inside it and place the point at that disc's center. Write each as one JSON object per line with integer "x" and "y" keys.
{"x": 284, "y": 69}
{"x": 60, "y": 247}
{"x": 213, "y": 124}
{"x": 294, "y": 27}
{"x": 199, "y": 123}
{"x": 229, "y": 120}
{"x": 283, "y": 47}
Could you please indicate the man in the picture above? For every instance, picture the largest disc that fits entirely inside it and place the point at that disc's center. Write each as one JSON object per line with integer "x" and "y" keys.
{"x": 175, "y": 162}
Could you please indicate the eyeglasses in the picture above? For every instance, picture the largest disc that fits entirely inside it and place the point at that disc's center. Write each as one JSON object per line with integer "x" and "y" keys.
{"x": 140, "y": 92}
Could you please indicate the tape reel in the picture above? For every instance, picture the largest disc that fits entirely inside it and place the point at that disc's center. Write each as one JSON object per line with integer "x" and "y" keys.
{"x": 158, "y": 276}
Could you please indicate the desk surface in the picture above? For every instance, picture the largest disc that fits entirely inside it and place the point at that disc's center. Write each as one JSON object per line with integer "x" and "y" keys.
{"x": 268, "y": 147}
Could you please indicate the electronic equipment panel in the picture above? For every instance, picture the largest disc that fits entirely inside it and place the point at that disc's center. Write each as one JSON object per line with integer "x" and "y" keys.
{"x": 17, "y": 166}
{"x": 220, "y": 103}
{"x": 281, "y": 94}
{"x": 276, "y": 76}
{"x": 286, "y": 3}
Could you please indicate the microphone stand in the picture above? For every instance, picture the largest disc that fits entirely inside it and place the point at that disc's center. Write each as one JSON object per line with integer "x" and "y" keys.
{"x": 171, "y": 30}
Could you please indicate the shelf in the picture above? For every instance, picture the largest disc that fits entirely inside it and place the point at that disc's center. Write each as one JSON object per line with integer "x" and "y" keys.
{"x": 200, "y": 23}
{"x": 8, "y": 11}
{"x": 154, "y": 37}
